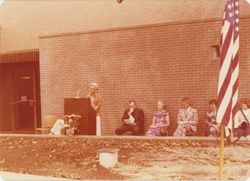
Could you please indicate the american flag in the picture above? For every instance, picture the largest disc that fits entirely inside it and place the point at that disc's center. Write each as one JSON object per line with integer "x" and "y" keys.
{"x": 229, "y": 69}
{"x": 235, "y": 61}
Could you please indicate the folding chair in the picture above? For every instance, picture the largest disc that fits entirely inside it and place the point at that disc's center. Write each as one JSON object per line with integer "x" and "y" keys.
{"x": 47, "y": 124}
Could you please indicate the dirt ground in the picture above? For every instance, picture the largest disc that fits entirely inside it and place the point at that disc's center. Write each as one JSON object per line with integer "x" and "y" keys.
{"x": 77, "y": 158}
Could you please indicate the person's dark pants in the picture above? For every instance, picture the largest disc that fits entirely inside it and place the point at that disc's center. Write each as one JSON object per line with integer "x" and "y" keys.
{"x": 126, "y": 127}
{"x": 243, "y": 132}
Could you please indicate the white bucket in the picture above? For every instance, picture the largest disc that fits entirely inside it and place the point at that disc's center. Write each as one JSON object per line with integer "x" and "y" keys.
{"x": 108, "y": 157}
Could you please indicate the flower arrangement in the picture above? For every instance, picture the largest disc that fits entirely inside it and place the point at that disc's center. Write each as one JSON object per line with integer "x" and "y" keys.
{"x": 72, "y": 123}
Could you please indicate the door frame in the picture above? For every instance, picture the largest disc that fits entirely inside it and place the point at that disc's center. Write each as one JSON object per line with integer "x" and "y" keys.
{"x": 12, "y": 61}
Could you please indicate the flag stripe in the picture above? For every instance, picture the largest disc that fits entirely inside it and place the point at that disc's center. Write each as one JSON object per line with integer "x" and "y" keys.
{"x": 229, "y": 68}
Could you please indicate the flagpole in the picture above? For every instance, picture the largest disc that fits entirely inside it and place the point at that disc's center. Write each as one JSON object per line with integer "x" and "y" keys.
{"x": 221, "y": 164}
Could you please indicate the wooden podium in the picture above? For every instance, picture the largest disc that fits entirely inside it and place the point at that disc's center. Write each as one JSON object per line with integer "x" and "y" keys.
{"x": 82, "y": 106}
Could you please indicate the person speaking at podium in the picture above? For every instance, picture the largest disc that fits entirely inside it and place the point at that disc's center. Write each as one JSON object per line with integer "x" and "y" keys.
{"x": 96, "y": 103}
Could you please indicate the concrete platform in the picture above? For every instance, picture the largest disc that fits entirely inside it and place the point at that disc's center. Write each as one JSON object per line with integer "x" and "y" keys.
{"x": 170, "y": 138}
{"x": 9, "y": 176}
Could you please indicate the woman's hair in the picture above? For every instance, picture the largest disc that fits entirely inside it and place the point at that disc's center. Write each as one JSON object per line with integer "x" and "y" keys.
{"x": 244, "y": 101}
{"x": 132, "y": 101}
{"x": 213, "y": 101}
{"x": 163, "y": 103}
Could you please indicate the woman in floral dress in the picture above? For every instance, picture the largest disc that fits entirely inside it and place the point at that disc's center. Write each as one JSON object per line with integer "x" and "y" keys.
{"x": 212, "y": 127}
{"x": 161, "y": 121}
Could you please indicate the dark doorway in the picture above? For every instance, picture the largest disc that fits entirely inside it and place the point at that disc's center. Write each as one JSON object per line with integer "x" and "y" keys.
{"x": 20, "y": 97}
{"x": 5, "y": 100}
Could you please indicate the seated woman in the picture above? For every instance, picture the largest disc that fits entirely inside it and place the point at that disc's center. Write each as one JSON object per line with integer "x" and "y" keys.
{"x": 212, "y": 127}
{"x": 161, "y": 121}
{"x": 241, "y": 121}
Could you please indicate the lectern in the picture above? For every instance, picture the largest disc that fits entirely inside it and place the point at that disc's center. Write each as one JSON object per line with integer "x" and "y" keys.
{"x": 82, "y": 106}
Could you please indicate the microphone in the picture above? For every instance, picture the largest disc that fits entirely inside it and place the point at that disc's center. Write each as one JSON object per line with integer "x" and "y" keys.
{"x": 78, "y": 92}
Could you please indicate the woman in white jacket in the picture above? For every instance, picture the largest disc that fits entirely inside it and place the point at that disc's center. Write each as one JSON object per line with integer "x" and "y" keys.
{"x": 240, "y": 121}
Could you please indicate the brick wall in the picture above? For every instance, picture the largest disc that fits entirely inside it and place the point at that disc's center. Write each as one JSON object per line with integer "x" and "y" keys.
{"x": 165, "y": 61}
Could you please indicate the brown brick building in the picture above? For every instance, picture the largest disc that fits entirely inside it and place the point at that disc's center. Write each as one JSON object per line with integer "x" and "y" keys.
{"x": 145, "y": 50}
